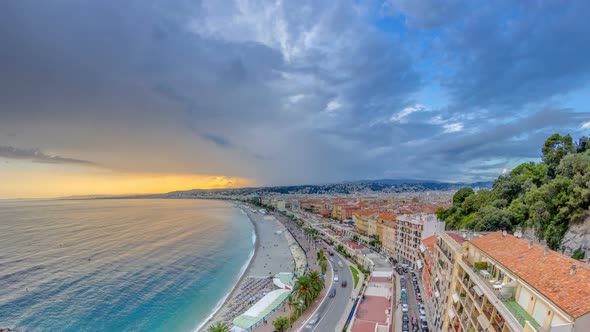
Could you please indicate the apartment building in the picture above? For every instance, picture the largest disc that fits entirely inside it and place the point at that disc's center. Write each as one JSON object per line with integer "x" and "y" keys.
{"x": 448, "y": 246}
{"x": 361, "y": 219}
{"x": 378, "y": 223}
{"x": 503, "y": 283}
{"x": 409, "y": 230}
{"x": 426, "y": 253}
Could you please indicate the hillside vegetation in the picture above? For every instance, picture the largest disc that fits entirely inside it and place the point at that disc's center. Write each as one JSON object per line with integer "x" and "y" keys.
{"x": 546, "y": 197}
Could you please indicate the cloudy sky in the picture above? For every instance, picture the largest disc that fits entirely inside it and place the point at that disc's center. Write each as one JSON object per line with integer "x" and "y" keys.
{"x": 145, "y": 96}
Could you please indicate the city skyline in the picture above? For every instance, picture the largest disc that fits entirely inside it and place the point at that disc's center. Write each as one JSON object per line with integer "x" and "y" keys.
{"x": 135, "y": 97}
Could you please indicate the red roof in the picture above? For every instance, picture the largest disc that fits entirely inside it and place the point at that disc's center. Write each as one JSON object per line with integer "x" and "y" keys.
{"x": 548, "y": 274}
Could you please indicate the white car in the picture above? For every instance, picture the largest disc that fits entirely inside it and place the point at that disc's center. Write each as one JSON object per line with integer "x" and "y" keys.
{"x": 335, "y": 277}
{"x": 404, "y": 307}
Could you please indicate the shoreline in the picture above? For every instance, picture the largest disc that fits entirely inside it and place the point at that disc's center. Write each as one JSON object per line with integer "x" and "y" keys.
{"x": 272, "y": 255}
{"x": 240, "y": 281}
{"x": 243, "y": 273}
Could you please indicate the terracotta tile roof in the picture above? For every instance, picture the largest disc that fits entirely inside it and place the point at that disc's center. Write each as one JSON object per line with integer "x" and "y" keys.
{"x": 548, "y": 274}
{"x": 367, "y": 212}
{"x": 429, "y": 243}
{"x": 457, "y": 237}
{"x": 387, "y": 216}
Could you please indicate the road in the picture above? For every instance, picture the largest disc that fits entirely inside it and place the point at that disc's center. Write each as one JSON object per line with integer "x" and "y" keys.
{"x": 411, "y": 295}
{"x": 333, "y": 309}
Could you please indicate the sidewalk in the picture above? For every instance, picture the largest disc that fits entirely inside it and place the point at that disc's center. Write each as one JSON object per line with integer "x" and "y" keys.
{"x": 355, "y": 293}
{"x": 311, "y": 257}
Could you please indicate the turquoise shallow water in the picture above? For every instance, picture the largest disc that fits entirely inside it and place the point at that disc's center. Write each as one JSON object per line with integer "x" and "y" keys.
{"x": 118, "y": 265}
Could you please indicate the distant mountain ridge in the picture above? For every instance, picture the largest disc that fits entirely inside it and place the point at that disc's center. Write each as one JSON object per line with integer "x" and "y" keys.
{"x": 344, "y": 188}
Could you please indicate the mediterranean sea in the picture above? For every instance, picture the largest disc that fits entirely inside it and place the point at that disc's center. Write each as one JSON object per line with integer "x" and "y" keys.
{"x": 118, "y": 265}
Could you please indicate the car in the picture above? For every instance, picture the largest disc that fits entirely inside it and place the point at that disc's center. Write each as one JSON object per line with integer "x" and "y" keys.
{"x": 404, "y": 307}
{"x": 332, "y": 292}
{"x": 335, "y": 277}
{"x": 414, "y": 328}
{"x": 405, "y": 317}
{"x": 405, "y": 326}
{"x": 414, "y": 320}
{"x": 343, "y": 283}
{"x": 335, "y": 269}
{"x": 314, "y": 320}
{"x": 422, "y": 312}
{"x": 422, "y": 317}
{"x": 405, "y": 270}
{"x": 418, "y": 296}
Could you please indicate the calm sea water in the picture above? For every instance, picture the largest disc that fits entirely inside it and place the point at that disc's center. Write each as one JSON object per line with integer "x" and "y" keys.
{"x": 118, "y": 265}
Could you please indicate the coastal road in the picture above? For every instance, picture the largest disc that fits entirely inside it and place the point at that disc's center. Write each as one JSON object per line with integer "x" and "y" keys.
{"x": 333, "y": 309}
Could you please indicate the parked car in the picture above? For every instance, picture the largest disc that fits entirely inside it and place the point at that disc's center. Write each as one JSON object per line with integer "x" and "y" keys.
{"x": 418, "y": 296}
{"x": 344, "y": 283}
{"x": 405, "y": 327}
{"x": 414, "y": 320}
{"x": 405, "y": 317}
{"x": 335, "y": 277}
{"x": 414, "y": 328}
{"x": 404, "y": 307}
{"x": 424, "y": 325}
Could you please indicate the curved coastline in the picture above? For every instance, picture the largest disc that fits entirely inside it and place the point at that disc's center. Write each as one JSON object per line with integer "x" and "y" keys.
{"x": 241, "y": 275}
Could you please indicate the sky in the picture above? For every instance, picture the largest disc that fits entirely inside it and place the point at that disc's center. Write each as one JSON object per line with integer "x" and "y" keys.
{"x": 113, "y": 97}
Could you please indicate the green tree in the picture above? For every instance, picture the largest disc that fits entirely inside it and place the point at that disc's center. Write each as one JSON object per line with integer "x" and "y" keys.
{"x": 320, "y": 253}
{"x": 304, "y": 289}
{"x": 507, "y": 187}
{"x": 323, "y": 263}
{"x": 518, "y": 211}
{"x": 530, "y": 172}
{"x": 317, "y": 282}
{"x": 475, "y": 202}
{"x": 492, "y": 218}
{"x": 583, "y": 144}
{"x": 549, "y": 210}
{"x": 579, "y": 254}
{"x": 281, "y": 323}
{"x": 554, "y": 149}
{"x": 461, "y": 195}
{"x": 577, "y": 168}
{"x": 218, "y": 327}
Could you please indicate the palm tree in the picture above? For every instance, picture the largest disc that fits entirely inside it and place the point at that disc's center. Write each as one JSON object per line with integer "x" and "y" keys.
{"x": 320, "y": 253}
{"x": 218, "y": 327}
{"x": 323, "y": 263}
{"x": 281, "y": 323}
{"x": 317, "y": 282}
{"x": 292, "y": 301}
{"x": 304, "y": 289}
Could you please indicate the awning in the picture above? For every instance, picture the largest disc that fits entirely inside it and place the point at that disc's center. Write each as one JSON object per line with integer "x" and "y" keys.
{"x": 455, "y": 297}
{"x": 478, "y": 290}
{"x": 419, "y": 264}
{"x": 451, "y": 313}
{"x": 422, "y": 248}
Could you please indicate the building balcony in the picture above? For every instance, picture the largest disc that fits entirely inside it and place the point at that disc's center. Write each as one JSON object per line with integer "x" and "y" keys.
{"x": 494, "y": 296}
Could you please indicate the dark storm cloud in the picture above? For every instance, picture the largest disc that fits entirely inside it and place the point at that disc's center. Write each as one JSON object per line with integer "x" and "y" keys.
{"x": 298, "y": 91}
{"x": 36, "y": 155}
